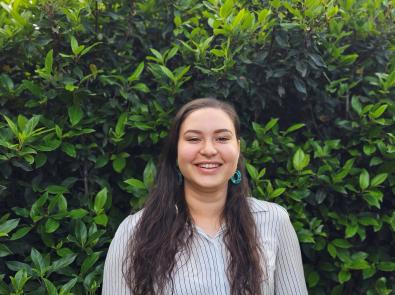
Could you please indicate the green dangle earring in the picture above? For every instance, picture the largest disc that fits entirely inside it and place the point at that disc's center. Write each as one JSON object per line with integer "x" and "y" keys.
{"x": 236, "y": 178}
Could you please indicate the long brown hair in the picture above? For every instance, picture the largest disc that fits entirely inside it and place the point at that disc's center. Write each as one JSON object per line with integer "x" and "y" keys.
{"x": 165, "y": 226}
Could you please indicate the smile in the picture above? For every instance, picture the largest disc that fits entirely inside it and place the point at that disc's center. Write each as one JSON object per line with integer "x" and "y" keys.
{"x": 209, "y": 165}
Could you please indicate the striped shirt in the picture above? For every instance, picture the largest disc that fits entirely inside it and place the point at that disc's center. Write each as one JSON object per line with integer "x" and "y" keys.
{"x": 203, "y": 270}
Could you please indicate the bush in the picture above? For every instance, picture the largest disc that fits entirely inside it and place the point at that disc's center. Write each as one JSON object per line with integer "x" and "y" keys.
{"x": 88, "y": 90}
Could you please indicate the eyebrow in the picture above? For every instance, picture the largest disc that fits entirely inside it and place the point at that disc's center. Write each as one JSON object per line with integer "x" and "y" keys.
{"x": 216, "y": 131}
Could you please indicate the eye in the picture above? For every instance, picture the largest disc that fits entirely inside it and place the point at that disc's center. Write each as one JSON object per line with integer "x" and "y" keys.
{"x": 193, "y": 139}
{"x": 223, "y": 139}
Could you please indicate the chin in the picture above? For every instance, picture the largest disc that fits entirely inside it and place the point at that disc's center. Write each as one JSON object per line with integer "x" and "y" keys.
{"x": 210, "y": 184}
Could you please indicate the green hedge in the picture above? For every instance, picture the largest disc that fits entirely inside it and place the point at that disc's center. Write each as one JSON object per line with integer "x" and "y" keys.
{"x": 88, "y": 90}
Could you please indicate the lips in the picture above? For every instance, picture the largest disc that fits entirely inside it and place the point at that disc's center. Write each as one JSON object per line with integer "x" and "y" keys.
{"x": 209, "y": 165}
{"x": 208, "y": 168}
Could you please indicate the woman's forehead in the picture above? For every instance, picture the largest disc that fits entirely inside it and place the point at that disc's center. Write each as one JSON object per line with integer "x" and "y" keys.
{"x": 208, "y": 119}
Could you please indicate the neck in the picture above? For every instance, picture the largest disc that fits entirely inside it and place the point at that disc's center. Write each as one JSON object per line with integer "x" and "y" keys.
{"x": 205, "y": 206}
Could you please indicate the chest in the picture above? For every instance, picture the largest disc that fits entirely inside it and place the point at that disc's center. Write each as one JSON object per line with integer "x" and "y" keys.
{"x": 202, "y": 268}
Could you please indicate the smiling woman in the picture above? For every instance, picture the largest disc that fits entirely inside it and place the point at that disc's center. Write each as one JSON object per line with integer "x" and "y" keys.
{"x": 200, "y": 232}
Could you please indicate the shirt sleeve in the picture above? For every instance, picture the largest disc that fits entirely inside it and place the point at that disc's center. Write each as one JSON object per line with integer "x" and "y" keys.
{"x": 289, "y": 276}
{"x": 113, "y": 280}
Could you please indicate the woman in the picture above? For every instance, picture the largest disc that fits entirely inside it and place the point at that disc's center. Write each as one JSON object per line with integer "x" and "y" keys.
{"x": 200, "y": 232}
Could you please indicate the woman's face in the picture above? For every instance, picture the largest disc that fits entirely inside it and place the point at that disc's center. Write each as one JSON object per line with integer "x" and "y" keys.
{"x": 208, "y": 149}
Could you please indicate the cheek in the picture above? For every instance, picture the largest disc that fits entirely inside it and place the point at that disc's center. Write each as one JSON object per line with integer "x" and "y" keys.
{"x": 185, "y": 153}
{"x": 231, "y": 153}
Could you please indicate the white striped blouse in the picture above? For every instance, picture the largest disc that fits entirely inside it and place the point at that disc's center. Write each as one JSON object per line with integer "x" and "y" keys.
{"x": 204, "y": 271}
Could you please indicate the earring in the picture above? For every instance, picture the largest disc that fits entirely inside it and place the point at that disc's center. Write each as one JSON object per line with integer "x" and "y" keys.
{"x": 236, "y": 178}
{"x": 179, "y": 177}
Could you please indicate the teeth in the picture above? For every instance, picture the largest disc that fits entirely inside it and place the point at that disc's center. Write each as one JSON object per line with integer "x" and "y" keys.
{"x": 208, "y": 166}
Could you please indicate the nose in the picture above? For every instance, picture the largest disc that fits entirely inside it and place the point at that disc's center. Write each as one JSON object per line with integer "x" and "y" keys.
{"x": 208, "y": 149}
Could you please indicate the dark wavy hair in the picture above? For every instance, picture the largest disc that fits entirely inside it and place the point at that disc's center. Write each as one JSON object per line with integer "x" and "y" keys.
{"x": 165, "y": 226}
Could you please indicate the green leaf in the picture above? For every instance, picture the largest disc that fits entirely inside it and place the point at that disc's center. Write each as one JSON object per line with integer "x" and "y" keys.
{"x": 351, "y": 230}
{"x": 368, "y": 272}
{"x": 119, "y": 164}
{"x": 358, "y": 264}
{"x": 12, "y": 126}
{"x": 86, "y": 50}
{"x": 101, "y": 161}
{"x": 69, "y": 149}
{"x": 20, "y": 233}
{"x": 16, "y": 266}
{"x": 74, "y": 45}
{"x": 252, "y": 171}
{"x": 341, "y": 243}
{"x": 38, "y": 261}
{"x": 226, "y": 9}
{"x": 120, "y": 126}
{"x": 8, "y": 83}
{"x": 89, "y": 262}
{"x": 367, "y": 220}
{"x": 300, "y": 160}
{"x": 66, "y": 288}
{"x": 135, "y": 183}
{"x": 75, "y": 114}
{"x": 51, "y": 225}
{"x": 57, "y": 189}
{"x": 159, "y": 57}
{"x": 373, "y": 198}
{"x": 70, "y": 87}
{"x": 101, "y": 219}
{"x": 49, "y": 62}
{"x": 19, "y": 281}
{"x": 270, "y": 124}
{"x": 317, "y": 59}
{"x": 356, "y": 105}
{"x": 369, "y": 149}
{"x": 30, "y": 125}
{"x": 141, "y": 87}
{"x": 80, "y": 232}
{"x": 149, "y": 174}
{"x": 218, "y": 52}
{"x": 62, "y": 262}
{"x": 237, "y": 20}
{"x": 305, "y": 236}
{"x": 48, "y": 145}
{"x": 386, "y": 266}
{"x": 137, "y": 72}
{"x": 168, "y": 73}
{"x": 378, "y": 112}
{"x": 364, "y": 179}
{"x": 277, "y": 192}
{"x": 78, "y": 213}
{"x": 313, "y": 278}
{"x": 100, "y": 200}
{"x": 77, "y": 49}
{"x": 379, "y": 179}
{"x": 4, "y": 250}
{"x": 344, "y": 276}
{"x": 300, "y": 85}
{"x": 295, "y": 127}
{"x": 263, "y": 15}
{"x": 8, "y": 226}
{"x": 50, "y": 287}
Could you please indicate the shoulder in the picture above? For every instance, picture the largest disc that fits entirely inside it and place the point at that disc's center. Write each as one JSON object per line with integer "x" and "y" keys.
{"x": 260, "y": 206}
{"x": 268, "y": 214}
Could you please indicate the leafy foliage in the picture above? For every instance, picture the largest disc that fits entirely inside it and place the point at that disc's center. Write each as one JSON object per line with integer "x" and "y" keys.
{"x": 88, "y": 90}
